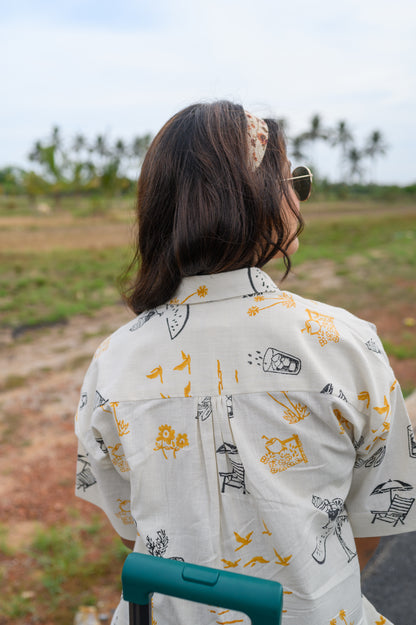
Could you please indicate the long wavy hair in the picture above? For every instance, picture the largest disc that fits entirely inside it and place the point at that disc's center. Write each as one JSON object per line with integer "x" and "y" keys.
{"x": 202, "y": 208}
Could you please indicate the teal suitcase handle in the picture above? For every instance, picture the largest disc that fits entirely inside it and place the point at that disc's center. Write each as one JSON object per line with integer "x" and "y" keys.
{"x": 142, "y": 575}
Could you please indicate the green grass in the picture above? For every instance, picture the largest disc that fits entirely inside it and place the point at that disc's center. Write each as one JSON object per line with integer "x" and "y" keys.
{"x": 60, "y": 564}
{"x": 53, "y": 286}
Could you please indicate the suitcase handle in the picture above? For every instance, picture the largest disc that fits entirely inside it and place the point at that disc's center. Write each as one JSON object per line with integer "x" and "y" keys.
{"x": 142, "y": 575}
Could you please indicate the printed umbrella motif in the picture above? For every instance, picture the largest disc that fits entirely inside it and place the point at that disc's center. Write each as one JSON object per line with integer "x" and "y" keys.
{"x": 390, "y": 486}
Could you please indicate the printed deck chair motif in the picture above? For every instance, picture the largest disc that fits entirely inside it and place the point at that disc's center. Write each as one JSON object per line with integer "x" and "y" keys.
{"x": 398, "y": 510}
{"x": 234, "y": 478}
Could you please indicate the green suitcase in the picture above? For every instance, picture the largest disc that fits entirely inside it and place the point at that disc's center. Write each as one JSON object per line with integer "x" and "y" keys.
{"x": 142, "y": 575}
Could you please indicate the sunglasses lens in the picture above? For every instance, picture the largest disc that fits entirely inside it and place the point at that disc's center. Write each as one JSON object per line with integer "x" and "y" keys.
{"x": 302, "y": 186}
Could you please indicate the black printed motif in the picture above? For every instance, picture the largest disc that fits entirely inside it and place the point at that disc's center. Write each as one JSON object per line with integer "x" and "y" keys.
{"x": 276, "y": 361}
{"x": 329, "y": 390}
{"x": 229, "y": 405}
{"x": 159, "y": 546}
{"x": 260, "y": 282}
{"x": 204, "y": 409}
{"x": 144, "y": 318}
{"x": 85, "y": 477}
{"x": 359, "y": 443}
{"x": 176, "y": 318}
{"x": 399, "y": 506}
{"x": 334, "y": 510}
{"x": 412, "y": 442}
{"x": 101, "y": 444}
{"x": 373, "y": 347}
{"x": 373, "y": 461}
{"x": 234, "y": 477}
{"x": 83, "y": 401}
{"x": 99, "y": 400}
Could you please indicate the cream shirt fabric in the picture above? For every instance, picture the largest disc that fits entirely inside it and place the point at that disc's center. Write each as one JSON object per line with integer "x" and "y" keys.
{"x": 246, "y": 428}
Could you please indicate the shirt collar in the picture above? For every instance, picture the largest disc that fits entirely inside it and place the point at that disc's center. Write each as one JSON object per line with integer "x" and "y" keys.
{"x": 217, "y": 286}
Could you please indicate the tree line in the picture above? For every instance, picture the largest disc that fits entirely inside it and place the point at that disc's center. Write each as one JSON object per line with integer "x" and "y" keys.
{"x": 110, "y": 167}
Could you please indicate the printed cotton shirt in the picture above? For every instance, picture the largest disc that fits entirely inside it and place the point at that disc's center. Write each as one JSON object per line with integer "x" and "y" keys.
{"x": 246, "y": 428}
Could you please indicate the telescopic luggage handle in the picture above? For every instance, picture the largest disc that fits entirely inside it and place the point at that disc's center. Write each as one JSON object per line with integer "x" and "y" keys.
{"x": 142, "y": 575}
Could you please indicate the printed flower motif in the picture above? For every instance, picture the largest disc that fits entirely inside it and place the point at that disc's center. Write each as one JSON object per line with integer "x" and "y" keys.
{"x": 174, "y": 301}
{"x": 259, "y": 298}
{"x": 254, "y": 310}
{"x": 166, "y": 434}
{"x": 182, "y": 441}
{"x": 165, "y": 441}
{"x": 202, "y": 291}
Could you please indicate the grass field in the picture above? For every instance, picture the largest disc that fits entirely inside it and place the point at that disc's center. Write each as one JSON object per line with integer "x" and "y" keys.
{"x": 57, "y": 553}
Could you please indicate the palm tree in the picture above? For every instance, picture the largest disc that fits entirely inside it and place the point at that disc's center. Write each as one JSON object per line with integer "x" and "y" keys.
{"x": 316, "y": 132}
{"x": 375, "y": 146}
{"x": 120, "y": 148}
{"x": 79, "y": 144}
{"x": 297, "y": 144}
{"x": 342, "y": 136}
{"x": 140, "y": 145}
{"x": 355, "y": 157}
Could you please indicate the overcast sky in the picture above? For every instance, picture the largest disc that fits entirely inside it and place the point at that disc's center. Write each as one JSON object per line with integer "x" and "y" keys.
{"x": 124, "y": 67}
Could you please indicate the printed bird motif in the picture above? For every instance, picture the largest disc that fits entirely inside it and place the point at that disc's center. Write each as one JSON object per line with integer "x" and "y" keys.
{"x": 280, "y": 560}
{"x": 157, "y": 371}
{"x": 229, "y": 564}
{"x": 382, "y": 620}
{"x": 186, "y": 362}
{"x": 244, "y": 541}
{"x": 257, "y": 560}
{"x": 385, "y": 409}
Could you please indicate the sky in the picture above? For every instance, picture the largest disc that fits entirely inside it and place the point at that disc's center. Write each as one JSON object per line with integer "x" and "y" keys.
{"x": 124, "y": 67}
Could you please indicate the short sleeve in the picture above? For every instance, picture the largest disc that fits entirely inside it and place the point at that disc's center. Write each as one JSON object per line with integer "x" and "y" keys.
{"x": 382, "y": 496}
{"x": 103, "y": 475}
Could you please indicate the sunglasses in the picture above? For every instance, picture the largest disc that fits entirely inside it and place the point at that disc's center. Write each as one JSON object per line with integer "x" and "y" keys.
{"x": 302, "y": 182}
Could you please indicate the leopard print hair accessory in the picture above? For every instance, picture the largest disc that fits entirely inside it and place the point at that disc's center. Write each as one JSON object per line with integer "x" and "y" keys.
{"x": 258, "y": 135}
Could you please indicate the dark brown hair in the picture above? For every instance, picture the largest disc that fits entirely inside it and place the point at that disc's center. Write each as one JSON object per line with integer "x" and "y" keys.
{"x": 201, "y": 207}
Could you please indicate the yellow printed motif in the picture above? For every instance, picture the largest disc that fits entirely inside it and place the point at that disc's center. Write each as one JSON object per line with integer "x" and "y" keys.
{"x": 256, "y": 560}
{"x": 157, "y": 371}
{"x": 280, "y": 560}
{"x": 124, "y": 512}
{"x": 296, "y": 413}
{"x": 186, "y": 362}
{"x": 118, "y": 459}
{"x": 219, "y": 373}
{"x": 342, "y": 615}
{"x": 102, "y": 348}
{"x": 343, "y": 423}
{"x": 290, "y": 453}
{"x": 121, "y": 425}
{"x": 221, "y": 613}
{"x": 166, "y": 441}
{"x": 321, "y": 326}
{"x": 201, "y": 291}
{"x": 229, "y": 564}
{"x": 285, "y": 299}
{"x": 364, "y": 396}
{"x": 243, "y": 541}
